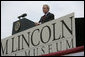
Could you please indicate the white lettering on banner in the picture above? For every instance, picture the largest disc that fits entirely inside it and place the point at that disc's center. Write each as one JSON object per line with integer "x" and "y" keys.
{"x": 52, "y": 36}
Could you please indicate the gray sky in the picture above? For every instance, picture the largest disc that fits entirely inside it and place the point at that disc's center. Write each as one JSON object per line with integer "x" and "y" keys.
{"x": 10, "y": 10}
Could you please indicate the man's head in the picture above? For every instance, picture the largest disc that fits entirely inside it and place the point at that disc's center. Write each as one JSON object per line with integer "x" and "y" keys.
{"x": 45, "y": 8}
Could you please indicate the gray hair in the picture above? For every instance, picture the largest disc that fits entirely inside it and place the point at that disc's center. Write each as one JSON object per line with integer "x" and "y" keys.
{"x": 46, "y": 6}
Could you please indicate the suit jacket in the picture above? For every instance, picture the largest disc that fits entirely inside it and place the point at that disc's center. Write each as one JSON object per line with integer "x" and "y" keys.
{"x": 47, "y": 18}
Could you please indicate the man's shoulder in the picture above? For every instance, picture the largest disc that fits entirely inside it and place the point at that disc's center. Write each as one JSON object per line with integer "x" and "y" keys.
{"x": 51, "y": 14}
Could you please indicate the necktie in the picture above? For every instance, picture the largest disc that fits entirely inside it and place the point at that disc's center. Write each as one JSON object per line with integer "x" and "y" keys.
{"x": 44, "y": 17}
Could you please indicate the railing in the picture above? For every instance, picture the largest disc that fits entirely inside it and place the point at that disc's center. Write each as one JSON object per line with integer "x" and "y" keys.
{"x": 64, "y": 52}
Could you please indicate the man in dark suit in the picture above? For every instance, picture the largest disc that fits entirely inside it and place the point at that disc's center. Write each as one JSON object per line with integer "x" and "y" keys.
{"x": 47, "y": 15}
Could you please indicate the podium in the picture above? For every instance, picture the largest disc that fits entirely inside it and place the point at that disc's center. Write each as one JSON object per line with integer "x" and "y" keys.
{"x": 22, "y": 25}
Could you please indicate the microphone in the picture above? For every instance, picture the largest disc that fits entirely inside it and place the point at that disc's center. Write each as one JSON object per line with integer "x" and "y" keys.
{"x": 23, "y": 15}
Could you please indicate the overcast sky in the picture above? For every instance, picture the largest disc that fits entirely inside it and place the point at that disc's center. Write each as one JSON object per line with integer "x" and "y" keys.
{"x": 10, "y": 10}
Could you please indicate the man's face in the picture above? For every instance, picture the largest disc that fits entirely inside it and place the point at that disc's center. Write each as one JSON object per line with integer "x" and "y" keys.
{"x": 45, "y": 9}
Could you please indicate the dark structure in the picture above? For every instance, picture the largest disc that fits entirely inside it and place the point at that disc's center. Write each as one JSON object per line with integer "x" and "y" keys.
{"x": 22, "y": 24}
{"x": 80, "y": 31}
